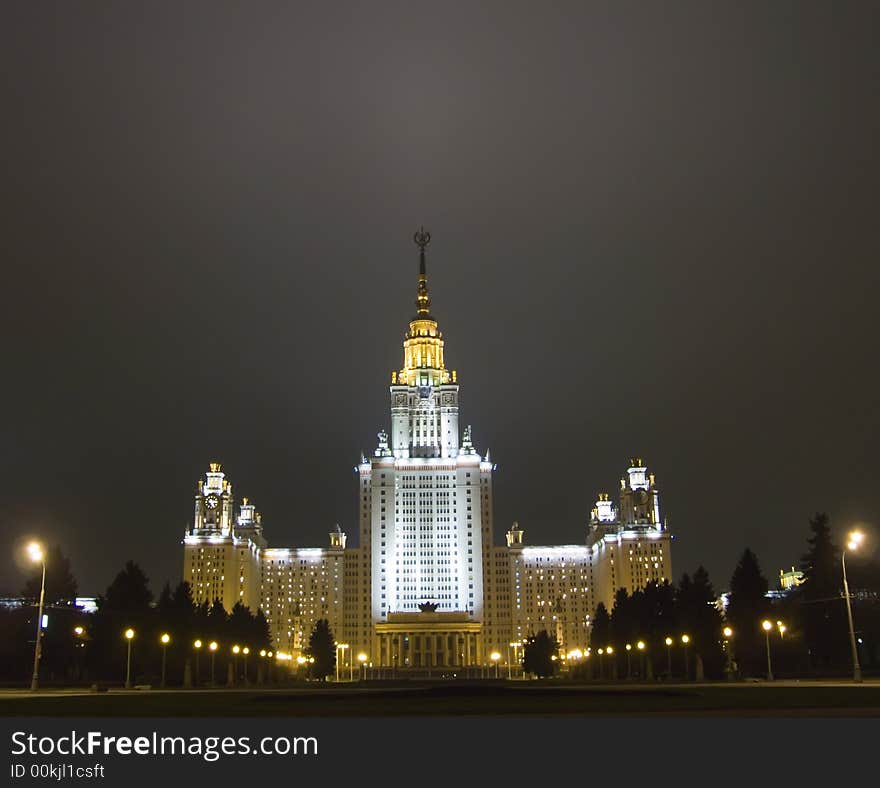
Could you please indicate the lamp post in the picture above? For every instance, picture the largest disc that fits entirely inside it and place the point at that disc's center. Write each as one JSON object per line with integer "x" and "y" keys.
{"x": 129, "y": 636}
{"x": 35, "y": 552}
{"x": 728, "y": 634}
{"x": 628, "y": 660}
{"x": 609, "y": 651}
{"x": 853, "y": 542}
{"x": 767, "y": 626}
{"x": 362, "y": 658}
{"x": 236, "y": 649}
{"x": 515, "y": 646}
{"x": 669, "y": 656}
{"x": 339, "y": 647}
{"x": 686, "y": 639}
{"x": 641, "y": 647}
{"x": 495, "y": 656}
{"x": 165, "y": 639}
{"x": 246, "y": 650}
{"x": 212, "y": 647}
{"x": 197, "y": 645}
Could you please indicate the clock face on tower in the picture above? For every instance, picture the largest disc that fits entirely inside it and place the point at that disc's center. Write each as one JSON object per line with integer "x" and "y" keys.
{"x": 212, "y": 501}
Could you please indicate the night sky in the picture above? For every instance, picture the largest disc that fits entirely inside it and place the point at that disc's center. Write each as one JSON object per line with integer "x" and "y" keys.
{"x": 654, "y": 234}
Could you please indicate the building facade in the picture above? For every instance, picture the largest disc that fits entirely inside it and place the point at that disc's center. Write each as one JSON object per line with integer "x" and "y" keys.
{"x": 426, "y": 587}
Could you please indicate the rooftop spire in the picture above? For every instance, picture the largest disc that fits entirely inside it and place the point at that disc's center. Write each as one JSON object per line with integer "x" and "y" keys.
{"x": 423, "y": 301}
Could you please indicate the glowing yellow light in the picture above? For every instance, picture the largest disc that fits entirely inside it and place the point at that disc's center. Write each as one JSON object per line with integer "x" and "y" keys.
{"x": 245, "y": 650}
{"x": 129, "y": 634}
{"x": 685, "y": 639}
{"x": 262, "y": 652}
{"x": 165, "y": 638}
{"x": 609, "y": 650}
{"x": 301, "y": 660}
{"x": 78, "y": 630}
{"x": 269, "y": 654}
{"x": 628, "y": 647}
{"x": 35, "y": 551}
{"x": 728, "y": 632}
{"x": 668, "y": 641}
{"x": 362, "y": 657}
{"x": 640, "y": 645}
{"x": 213, "y": 645}
{"x": 494, "y": 656}
{"x": 198, "y": 644}
{"x": 767, "y": 626}
{"x": 601, "y": 651}
{"x": 236, "y": 649}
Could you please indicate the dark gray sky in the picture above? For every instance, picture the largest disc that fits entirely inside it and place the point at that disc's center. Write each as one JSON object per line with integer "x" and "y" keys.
{"x": 655, "y": 234}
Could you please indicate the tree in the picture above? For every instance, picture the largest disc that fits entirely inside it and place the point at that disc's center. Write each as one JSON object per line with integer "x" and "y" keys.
{"x": 600, "y": 631}
{"x": 129, "y": 592}
{"x": 746, "y": 608}
{"x": 540, "y": 654}
{"x": 701, "y": 620}
{"x": 822, "y": 606}
{"x": 60, "y": 583}
{"x": 322, "y": 648}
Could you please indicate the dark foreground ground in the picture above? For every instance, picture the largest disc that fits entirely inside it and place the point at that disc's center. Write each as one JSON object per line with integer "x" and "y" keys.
{"x": 817, "y": 699}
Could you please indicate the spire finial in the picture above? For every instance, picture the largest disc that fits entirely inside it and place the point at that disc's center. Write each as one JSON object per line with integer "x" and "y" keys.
{"x": 423, "y": 301}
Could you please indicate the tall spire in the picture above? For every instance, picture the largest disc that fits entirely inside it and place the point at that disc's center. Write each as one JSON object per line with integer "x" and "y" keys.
{"x": 423, "y": 301}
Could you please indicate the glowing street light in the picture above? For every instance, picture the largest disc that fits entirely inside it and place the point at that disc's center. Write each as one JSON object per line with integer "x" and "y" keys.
{"x": 197, "y": 645}
{"x": 628, "y": 648}
{"x": 495, "y": 656}
{"x": 362, "y": 658}
{"x": 686, "y": 639}
{"x": 669, "y": 656}
{"x": 78, "y": 631}
{"x": 246, "y": 650}
{"x": 853, "y": 541}
{"x": 728, "y": 634}
{"x": 212, "y": 647}
{"x": 165, "y": 639}
{"x": 35, "y": 553}
{"x": 129, "y": 636}
{"x": 767, "y": 626}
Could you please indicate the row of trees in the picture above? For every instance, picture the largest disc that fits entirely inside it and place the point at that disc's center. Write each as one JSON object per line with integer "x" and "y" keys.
{"x": 92, "y": 648}
{"x": 812, "y": 638}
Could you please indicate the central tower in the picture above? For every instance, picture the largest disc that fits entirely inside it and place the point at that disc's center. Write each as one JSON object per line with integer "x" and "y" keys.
{"x": 426, "y": 508}
{"x": 424, "y": 394}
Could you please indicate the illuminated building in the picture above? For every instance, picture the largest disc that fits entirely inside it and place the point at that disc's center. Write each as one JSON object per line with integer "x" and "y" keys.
{"x": 426, "y": 587}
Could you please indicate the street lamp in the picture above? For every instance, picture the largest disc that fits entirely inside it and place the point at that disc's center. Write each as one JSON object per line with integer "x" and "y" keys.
{"x": 641, "y": 647}
{"x": 246, "y": 651}
{"x": 495, "y": 656}
{"x": 362, "y": 658}
{"x": 669, "y": 656}
{"x": 853, "y": 541}
{"x": 165, "y": 639}
{"x": 197, "y": 645}
{"x": 686, "y": 639}
{"x": 767, "y": 627}
{"x": 212, "y": 647}
{"x": 129, "y": 636}
{"x": 339, "y": 647}
{"x": 515, "y": 646}
{"x": 35, "y": 553}
{"x": 236, "y": 650}
{"x": 728, "y": 634}
{"x": 628, "y": 660}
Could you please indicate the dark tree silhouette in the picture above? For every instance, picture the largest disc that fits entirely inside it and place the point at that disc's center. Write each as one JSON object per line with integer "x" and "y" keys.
{"x": 540, "y": 654}
{"x": 60, "y": 582}
{"x": 823, "y": 611}
{"x": 600, "y": 632}
{"x": 702, "y": 621}
{"x": 322, "y": 648}
{"x": 747, "y": 607}
{"x": 129, "y": 592}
